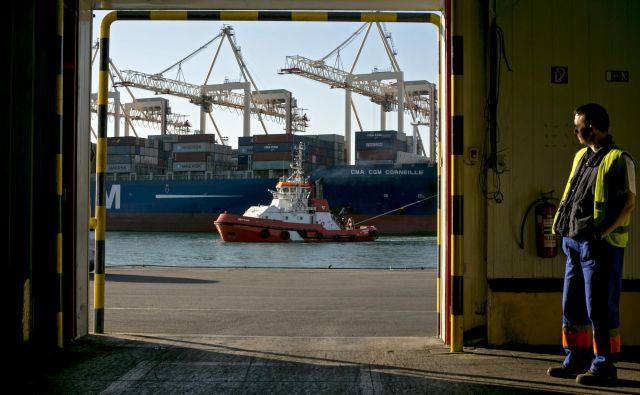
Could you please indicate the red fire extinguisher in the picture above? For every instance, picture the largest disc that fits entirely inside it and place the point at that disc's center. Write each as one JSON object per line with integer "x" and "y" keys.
{"x": 546, "y": 241}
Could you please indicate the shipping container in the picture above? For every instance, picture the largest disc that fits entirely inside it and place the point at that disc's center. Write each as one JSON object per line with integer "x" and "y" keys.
{"x": 243, "y": 159}
{"x": 245, "y": 150}
{"x": 374, "y": 162}
{"x": 377, "y": 135}
{"x": 189, "y": 166}
{"x": 123, "y": 150}
{"x": 333, "y": 138}
{"x": 245, "y": 141}
{"x": 269, "y": 156}
{"x": 118, "y": 168}
{"x": 376, "y": 155}
{"x": 127, "y": 140}
{"x": 192, "y": 147}
{"x": 272, "y": 147}
{"x": 364, "y": 145}
{"x": 171, "y": 138}
{"x": 406, "y": 157}
{"x": 190, "y": 156}
{"x": 273, "y": 138}
{"x": 222, "y": 149}
{"x": 196, "y": 138}
{"x": 270, "y": 165}
{"x": 152, "y": 143}
{"x": 118, "y": 159}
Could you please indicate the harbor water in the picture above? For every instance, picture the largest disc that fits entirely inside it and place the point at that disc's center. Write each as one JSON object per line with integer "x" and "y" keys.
{"x": 208, "y": 250}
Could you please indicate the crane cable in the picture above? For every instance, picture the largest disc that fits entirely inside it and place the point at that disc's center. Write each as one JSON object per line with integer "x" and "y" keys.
{"x": 345, "y": 42}
{"x": 192, "y": 54}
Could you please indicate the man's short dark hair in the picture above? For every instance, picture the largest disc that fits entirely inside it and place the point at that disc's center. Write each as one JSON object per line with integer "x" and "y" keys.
{"x": 594, "y": 114}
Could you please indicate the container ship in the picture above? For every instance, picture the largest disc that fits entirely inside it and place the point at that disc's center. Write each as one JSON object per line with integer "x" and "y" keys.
{"x": 183, "y": 182}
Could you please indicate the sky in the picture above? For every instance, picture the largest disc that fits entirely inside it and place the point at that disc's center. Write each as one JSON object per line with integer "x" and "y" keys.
{"x": 152, "y": 46}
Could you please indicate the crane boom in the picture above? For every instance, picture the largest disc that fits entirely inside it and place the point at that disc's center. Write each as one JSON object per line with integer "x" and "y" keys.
{"x": 176, "y": 123}
{"x": 379, "y": 92}
{"x": 206, "y": 98}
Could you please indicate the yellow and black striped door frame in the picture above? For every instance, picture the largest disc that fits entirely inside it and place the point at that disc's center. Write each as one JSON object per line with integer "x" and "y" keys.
{"x": 457, "y": 186}
{"x": 101, "y": 148}
{"x": 58, "y": 170}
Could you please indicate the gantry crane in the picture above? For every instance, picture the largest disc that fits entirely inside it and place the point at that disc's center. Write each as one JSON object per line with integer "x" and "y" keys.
{"x": 277, "y": 105}
{"x": 153, "y": 111}
{"x": 417, "y": 97}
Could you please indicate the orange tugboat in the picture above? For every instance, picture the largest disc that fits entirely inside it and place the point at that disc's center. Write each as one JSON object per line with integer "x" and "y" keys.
{"x": 292, "y": 216}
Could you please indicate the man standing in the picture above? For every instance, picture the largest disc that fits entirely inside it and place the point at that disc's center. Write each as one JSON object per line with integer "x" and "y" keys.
{"x": 593, "y": 219}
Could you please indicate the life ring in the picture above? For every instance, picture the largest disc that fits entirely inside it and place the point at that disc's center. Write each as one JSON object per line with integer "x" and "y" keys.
{"x": 284, "y": 235}
{"x": 336, "y": 238}
{"x": 264, "y": 233}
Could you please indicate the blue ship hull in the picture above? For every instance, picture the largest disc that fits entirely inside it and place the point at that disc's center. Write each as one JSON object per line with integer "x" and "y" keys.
{"x": 192, "y": 205}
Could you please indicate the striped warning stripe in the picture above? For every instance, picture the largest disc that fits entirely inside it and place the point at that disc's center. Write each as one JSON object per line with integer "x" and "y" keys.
{"x": 101, "y": 147}
{"x": 457, "y": 190}
{"x": 284, "y": 16}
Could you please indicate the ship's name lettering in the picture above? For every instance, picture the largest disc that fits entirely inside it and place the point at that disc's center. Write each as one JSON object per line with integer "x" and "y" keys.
{"x": 113, "y": 196}
{"x": 389, "y": 172}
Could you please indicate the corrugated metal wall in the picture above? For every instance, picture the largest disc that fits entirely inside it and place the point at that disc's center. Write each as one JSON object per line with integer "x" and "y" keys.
{"x": 536, "y": 141}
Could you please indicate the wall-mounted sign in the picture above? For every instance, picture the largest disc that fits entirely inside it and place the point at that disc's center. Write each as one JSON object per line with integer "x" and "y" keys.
{"x": 559, "y": 74}
{"x": 617, "y": 75}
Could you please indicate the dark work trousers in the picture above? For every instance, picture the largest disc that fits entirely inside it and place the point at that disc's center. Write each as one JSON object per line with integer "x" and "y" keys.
{"x": 590, "y": 302}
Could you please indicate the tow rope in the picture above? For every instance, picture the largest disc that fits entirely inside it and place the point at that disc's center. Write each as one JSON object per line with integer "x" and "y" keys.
{"x": 396, "y": 209}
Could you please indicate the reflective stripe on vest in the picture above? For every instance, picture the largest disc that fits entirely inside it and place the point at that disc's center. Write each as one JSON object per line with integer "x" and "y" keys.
{"x": 619, "y": 236}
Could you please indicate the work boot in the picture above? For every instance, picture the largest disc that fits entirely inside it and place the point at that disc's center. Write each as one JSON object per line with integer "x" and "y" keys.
{"x": 593, "y": 377}
{"x": 563, "y": 372}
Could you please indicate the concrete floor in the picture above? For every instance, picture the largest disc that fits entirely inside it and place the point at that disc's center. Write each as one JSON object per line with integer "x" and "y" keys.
{"x": 261, "y": 331}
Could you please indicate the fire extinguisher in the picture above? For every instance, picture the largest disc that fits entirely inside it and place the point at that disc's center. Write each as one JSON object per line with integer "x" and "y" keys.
{"x": 545, "y": 211}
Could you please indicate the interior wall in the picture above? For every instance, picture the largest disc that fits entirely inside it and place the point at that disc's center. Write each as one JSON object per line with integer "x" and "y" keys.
{"x": 536, "y": 139}
{"x": 536, "y": 145}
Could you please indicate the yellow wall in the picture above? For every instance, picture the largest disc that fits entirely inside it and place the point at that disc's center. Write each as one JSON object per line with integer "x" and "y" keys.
{"x": 536, "y": 140}
{"x": 536, "y": 145}
{"x": 536, "y": 318}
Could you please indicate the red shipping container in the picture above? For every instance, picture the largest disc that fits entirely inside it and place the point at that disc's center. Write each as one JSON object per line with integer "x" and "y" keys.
{"x": 376, "y": 155}
{"x": 196, "y": 138}
{"x": 273, "y": 138}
